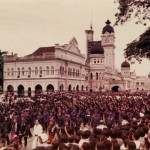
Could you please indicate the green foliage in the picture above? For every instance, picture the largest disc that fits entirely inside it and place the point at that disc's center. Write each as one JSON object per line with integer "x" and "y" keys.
{"x": 129, "y": 9}
{"x": 139, "y": 10}
{"x": 139, "y": 48}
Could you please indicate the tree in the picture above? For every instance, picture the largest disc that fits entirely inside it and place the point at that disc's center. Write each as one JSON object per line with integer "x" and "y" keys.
{"x": 139, "y": 48}
{"x": 140, "y": 11}
{"x": 137, "y": 9}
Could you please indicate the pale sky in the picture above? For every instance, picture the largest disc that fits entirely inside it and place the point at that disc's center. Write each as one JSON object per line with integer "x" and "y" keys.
{"x": 26, "y": 25}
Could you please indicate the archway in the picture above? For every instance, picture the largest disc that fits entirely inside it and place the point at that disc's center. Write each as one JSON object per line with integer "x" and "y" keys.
{"x": 10, "y": 89}
{"x": 82, "y": 88}
{"x": 29, "y": 92}
{"x": 69, "y": 87}
{"x": 115, "y": 88}
{"x": 61, "y": 88}
{"x": 50, "y": 88}
{"x": 86, "y": 88}
{"x": 77, "y": 88}
{"x": 20, "y": 90}
{"x": 38, "y": 89}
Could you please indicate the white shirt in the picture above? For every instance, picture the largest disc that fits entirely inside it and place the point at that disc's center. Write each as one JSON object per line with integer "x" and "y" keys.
{"x": 37, "y": 130}
{"x": 101, "y": 126}
{"x": 137, "y": 143}
{"x": 82, "y": 141}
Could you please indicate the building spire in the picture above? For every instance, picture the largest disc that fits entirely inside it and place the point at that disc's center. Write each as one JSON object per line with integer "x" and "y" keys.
{"x": 91, "y": 26}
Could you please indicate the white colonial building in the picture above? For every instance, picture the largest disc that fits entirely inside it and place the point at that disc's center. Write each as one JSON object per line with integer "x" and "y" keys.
{"x": 64, "y": 68}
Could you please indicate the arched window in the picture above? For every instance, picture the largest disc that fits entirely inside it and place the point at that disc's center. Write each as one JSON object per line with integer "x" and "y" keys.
{"x": 36, "y": 70}
{"x": 8, "y": 72}
{"x": 22, "y": 71}
{"x": 12, "y": 71}
{"x": 74, "y": 72}
{"x": 96, "y": 76}
{"x": 78, "y": 73}
{"x": 18, "y": 70}
{"x": 29, "y": 70}
{"x": 91, "y": 76}
{"x": 47, "y": 70}
{"x": 100, "y": 75}
{"x": 52, "y": 70}
{"x": 40, "y": 70}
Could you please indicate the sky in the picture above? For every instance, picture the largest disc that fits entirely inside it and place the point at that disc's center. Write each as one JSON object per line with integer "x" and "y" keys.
{"x": 26, "y": 25}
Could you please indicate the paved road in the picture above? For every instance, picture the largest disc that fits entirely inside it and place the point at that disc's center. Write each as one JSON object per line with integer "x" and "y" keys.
{"x": 29, "y": 144}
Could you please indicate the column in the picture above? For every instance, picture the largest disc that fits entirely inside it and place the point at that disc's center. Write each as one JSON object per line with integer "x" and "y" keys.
{"x": 66, "y": 76}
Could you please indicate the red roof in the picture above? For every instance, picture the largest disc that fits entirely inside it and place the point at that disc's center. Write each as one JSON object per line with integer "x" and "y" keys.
{"x": 40, "y": 51}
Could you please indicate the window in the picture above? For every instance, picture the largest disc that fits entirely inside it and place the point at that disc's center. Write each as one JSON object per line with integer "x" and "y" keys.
{"x": 47, "y": 70}
{"x": 137, "y": 83}
{"x": 76, "y": 73}
{"x": 52, "y": 70}
{"x": 96, "y": 76}
{"x": 12, "y": 71}
{"x": 8, "y": 72}
{"x": 142, "y": 83}
{"x": 61, "y": 70}
{"x": 36, "y": 71}
{"x": 29, "y": 71}
{"x": 73, "y": 72}
{"x": 69, "y": 71}
{"x": 91, "y": 76}
{"x": 18, "y": 71}
{"x": 40, "y": 70}
{"x": 22, "y": 71}
{"x": 94, "y": 61}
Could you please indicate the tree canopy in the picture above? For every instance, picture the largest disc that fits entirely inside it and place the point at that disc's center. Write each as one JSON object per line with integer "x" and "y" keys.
{"x": 140, "y": 11}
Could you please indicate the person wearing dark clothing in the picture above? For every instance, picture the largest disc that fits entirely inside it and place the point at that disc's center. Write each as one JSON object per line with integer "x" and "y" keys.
{"x": 15, "y": 129}
{"x": 23, "y": 133}
{"x": 5, "y": 130}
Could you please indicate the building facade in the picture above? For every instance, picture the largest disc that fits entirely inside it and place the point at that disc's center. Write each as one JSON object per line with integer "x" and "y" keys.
{"x": 64, "y": 68}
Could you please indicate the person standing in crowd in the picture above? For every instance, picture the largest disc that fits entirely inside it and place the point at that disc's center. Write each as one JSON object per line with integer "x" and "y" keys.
{"x": 23, "y": 133}
{"x": 5, "y": 129}
{"x": 67, "y": 129}
{"x": 14, "y": 130}
{"x": 52, "y": 130}
{"x": 37, "y": 131}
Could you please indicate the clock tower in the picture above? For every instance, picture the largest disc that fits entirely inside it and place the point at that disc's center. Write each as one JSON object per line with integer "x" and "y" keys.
{"x": 108, "y": 41}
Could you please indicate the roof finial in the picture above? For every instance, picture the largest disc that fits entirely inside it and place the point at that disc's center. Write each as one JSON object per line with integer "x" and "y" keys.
{"x": 91, "y": 26}
{"x": 108, "y": 22}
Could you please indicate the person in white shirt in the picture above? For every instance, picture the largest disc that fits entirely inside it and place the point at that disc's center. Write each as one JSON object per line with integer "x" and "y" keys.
{"x": 85, "y": 138}
{"x": 37, "y": 131}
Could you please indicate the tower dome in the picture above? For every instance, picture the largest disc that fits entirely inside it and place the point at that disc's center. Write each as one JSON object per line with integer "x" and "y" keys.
{"x": 108, "y": 28}
{"x": 125, "y": 64}
{"x": 97, "y": 49}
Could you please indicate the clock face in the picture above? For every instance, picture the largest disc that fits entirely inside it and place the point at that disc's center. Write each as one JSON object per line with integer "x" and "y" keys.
{"x": 106, "y": 40}
{"x": 111, "y": 39}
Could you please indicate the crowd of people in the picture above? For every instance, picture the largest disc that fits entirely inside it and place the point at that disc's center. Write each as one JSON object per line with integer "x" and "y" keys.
{"x": 77, "y": 121}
